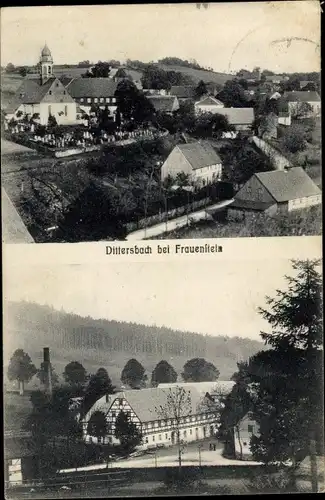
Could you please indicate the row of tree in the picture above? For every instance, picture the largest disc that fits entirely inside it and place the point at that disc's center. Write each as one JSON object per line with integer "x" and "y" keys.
{"x": 22, "y": 370}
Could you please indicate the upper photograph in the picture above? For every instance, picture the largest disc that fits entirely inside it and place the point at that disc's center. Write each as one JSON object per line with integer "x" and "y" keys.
{"x": 139, "y": 122}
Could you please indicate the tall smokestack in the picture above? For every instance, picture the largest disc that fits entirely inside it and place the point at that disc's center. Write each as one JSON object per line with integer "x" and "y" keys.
{"x": 47, "y": 367}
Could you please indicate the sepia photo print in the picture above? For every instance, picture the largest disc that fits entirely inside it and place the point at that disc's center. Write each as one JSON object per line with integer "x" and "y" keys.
{"x": 163, "y": 337}
{"x": 163, "y": 127}
{"x": 147, "y": 378}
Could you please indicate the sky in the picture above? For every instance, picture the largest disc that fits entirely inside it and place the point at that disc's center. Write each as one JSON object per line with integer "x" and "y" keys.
{"x": 225, "y": 36}
{"x": 209, "y": 297}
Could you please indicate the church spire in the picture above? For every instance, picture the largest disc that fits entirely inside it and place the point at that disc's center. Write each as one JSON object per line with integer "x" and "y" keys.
{"x": 46, "y": 64}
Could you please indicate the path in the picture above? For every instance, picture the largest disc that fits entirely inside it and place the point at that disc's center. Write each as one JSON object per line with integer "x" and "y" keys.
{"x": 171, "y": 225}
{"x": 13, "y": 228}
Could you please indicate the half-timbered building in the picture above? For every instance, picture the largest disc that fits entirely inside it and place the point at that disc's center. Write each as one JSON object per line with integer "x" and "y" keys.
{"x": 196, "y": 421}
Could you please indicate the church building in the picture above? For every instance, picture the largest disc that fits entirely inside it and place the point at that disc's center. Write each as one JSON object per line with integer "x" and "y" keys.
{"x": 43, "y": 96}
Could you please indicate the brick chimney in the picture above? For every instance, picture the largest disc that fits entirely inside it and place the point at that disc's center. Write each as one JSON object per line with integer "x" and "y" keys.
{"x": 47, "y": 367}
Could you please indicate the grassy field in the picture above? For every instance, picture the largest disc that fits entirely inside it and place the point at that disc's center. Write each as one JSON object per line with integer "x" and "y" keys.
{"x": 199, "y": 74}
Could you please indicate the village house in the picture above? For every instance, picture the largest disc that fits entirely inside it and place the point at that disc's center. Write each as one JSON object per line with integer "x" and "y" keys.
{"x": 197, "y": 159}
{"x": 122, "y": 73}
{"x": 43, "y": 96}
{"x": 277, "y": 79}
{"x": 164, "y": 103}
{"x": 241, "y": 118}
{"x": 208, "y": 104}
{"x": 244, "y": 430}
{"x": 276, "y": 191}
{"x": 88, "y": 92}
{"x": 296, "y": 98}
{"x": 183, "y": 92}
{"x": 141, "y": 406}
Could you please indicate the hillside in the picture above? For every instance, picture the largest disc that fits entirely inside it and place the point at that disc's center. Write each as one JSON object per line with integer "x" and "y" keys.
{"x": 199, "y": 74}
{"x": 110, "y": 344}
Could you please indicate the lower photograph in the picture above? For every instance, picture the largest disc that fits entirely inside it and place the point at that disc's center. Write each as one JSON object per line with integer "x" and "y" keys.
{"x": 163, "y": 378}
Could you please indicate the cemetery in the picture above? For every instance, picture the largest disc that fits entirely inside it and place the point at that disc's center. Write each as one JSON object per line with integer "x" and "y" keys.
{"x": 62, "y": 141}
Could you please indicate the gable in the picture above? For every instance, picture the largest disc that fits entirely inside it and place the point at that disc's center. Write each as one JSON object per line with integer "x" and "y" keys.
{"x": 57, "y": 93}
{"x": 209, "y": 101}
{"x": 255, "y": 191}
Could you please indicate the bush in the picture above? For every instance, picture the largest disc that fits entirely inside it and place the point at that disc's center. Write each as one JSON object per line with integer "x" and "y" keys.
{"x": 283, "y": 481}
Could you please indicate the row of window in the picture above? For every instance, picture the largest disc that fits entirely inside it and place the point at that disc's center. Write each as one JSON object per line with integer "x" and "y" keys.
{"x": 89, "y": 100}
{"x": 163, "y": 423}
{"x": 311, "y": 199}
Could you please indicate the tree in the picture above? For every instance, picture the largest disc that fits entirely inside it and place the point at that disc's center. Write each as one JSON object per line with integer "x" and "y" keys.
{"x": 301, "y": 110}
{"x": 99, "y": 384}
{"x": 201, "y": 89}
{"x": 23, "y": 72}
{"x": 232, "y": 95}
{"x": 99, "y": 70}
{"x": 133, "y": 374}
{"x": 287, "y": 405}
{"x": 10, "y": 68}
{"x": 121, "y": 73}
{"x": 97, "y": 425}
{"x": 199, "y": 370}
{"x": 42, "y": 374}
{"x": 127, "y": 432}
{"x": 294, "y": 139}
{"x": 75, "y": 374}
{"x": 52, "y": 122}
{"x": 163, "y": 373}
{"x": 177, "y": 406}
{"x": 21, "y": 368}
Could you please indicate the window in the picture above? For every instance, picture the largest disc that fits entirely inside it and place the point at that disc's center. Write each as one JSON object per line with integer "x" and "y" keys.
{"x": 159, "y": 437}
{"x": 185, "y": 434}
{"x": 244, "y": 443}
{"x": 50, "y": 92}
{"x": 88, "y": 99}
{"x": 259, "y": 193}
{"x": 110, "y": 439}
{"x": 107, "y": 99}
{"x": 153, "y": 438}
{"x": 96, "y": 99}
{"x": 113, "y": 99}
{"x": 120, "y": 401}
{"x": 249, "y": 190}
{"x": 81, "y": 99}
{"x": 64, "y": 92}
{"x": 65, "y": 110}
{"x": 191, "y": 432}
{"x": 250, "y": 429}
{"x": 49, "y": 110}
{"x": 57, "y": 84}
{"x": 147, "y": 440}
{"x": 166, "y": 436}
{"x": 101, "y": 99}
{"x": 113, "y": 414}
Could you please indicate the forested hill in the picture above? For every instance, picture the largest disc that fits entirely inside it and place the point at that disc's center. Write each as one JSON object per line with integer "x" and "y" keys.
{"x": 32, "y": 326}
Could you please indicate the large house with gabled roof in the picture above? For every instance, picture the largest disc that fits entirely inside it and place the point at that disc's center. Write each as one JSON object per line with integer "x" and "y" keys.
{"x": 196, "y": 420}
{"x": 43, "y": 96}
{"x": 196, "y": 159}
{"x": 88, "y": 92}
{"x": 277, "y": 191}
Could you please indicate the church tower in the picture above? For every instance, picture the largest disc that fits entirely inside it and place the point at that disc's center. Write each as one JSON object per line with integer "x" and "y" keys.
{"x": 46, "y": 64}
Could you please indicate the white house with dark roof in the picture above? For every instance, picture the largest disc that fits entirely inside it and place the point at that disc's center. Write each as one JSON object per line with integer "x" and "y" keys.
{"x": 208, "y": 104}
{"x": 196, "y": 421}
{"x": 94, "y": 91}
{"x": 241, "y": 118}
{"x": 277, "y": 191}
{"x": 197, "y": 159}
{"x": 297, "y": 97}
{"x": 43, "y": 96}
